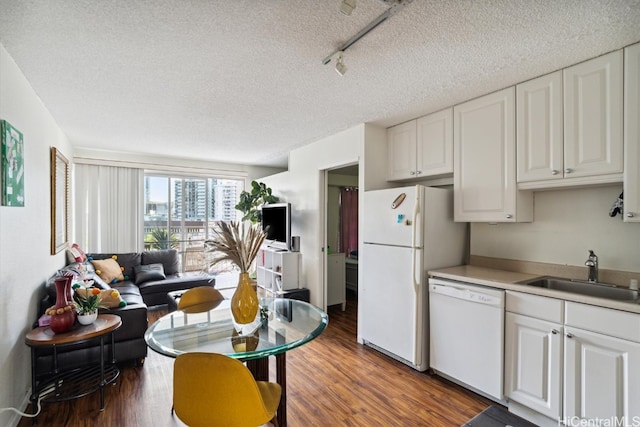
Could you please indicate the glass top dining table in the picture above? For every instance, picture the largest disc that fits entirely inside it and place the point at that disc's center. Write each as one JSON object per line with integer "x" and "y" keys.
{"x": 281, "y": 325}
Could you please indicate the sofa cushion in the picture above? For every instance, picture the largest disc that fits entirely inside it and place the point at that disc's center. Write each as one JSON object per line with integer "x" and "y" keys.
{"x": 128, "y": 261}
{"x": 108, "y": 269}
{"x": 167, "y": 257}
{"x": 147, "y": 272}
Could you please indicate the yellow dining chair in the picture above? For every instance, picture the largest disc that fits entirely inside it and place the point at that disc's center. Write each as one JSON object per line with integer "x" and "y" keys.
{"x": 200, "y": 299}
{"x": 212, "y": 390}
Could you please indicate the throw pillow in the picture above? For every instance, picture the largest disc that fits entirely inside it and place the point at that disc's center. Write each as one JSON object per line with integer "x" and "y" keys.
{"x": 109, "y": 298}
{"x": 75, "y": 254}
{"x": 148, "y": 272}
{"x": 108, "y": 269}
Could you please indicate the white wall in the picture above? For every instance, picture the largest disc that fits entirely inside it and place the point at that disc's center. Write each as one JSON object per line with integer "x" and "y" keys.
{"x": 303, "y": 187}
{"x": 25, "y": 260}
{"x": 567, "y": 223}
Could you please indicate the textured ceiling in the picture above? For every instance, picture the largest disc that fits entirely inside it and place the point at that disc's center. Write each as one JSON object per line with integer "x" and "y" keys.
{"x": 242, "y": 81}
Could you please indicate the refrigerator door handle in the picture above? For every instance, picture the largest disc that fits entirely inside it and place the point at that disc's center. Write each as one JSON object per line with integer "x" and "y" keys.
{"x": 416, "y": 267}
{"x": 416, "y": 226}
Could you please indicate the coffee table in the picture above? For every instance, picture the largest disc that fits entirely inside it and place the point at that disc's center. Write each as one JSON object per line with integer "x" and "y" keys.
{"x": 288, "y": 324}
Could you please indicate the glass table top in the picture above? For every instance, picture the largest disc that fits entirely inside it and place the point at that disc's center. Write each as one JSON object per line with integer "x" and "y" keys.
{"x": 281, "y": 325}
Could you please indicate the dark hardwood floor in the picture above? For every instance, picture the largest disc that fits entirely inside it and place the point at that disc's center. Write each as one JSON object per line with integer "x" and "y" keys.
{"x": 332, "y": 381}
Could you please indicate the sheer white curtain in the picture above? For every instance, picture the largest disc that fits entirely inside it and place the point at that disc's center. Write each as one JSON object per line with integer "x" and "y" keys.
{"x": 108, "y": 208}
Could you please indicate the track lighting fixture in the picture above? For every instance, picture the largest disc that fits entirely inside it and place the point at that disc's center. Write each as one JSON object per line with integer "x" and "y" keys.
{"x": 347, "y": 6}
{"x": 340, "y": 67}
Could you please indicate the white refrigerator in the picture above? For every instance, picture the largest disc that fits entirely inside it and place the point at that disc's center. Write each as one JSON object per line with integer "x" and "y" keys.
{"x": 405, "y": 232}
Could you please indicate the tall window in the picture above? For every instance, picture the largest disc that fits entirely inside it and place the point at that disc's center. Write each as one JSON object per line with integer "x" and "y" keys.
{"x": 180, "y": 211}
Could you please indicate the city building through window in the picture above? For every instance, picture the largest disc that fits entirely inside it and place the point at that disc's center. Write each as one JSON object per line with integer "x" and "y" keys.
{"x": 180, "y": 211}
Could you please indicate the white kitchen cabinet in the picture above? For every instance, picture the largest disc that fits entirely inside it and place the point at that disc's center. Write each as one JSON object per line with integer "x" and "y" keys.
{"x": 540, "y": 129}
{"x": 533, "y": 363}
{"x": 278, "y": 270}
{"x": 571, "y": 361}
{"x": 336, "y": 274}
{"x": 533, "y": 352}
{"x": 484, "y": 176}
{"x": 421, "y": 148}
{"x": 632, "y": 134}
{"x": 593, "y": 118}
{"x": 570, "y": 126}
{"x": 602, "y": 364}
{"x": 601, "y": 377}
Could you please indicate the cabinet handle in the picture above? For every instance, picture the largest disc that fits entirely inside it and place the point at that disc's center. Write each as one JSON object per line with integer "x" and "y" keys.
{"x": 554, "y": 172}
{"x": 554, "y": 331}
{"x": 509, "y": 216}
{"x": 418, "y": 172}
{"x": 629, "y": 214}
{"x": 568, "y": 170}
{"x": 412, "y": 173}
{"x": 569, "y": 335}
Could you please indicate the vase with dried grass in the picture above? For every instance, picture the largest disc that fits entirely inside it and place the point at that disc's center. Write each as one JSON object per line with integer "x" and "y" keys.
{"x": 238, "y": 244}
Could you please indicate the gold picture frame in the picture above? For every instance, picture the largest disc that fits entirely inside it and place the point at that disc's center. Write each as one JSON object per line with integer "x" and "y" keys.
{"x": 59, "y": 201}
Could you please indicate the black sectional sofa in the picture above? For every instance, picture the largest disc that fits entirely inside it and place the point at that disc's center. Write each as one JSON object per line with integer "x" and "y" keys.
{"x": 138, "y": 295}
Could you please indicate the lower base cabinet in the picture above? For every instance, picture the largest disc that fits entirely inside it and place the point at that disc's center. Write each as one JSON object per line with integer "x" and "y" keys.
{"x": 602, "y": 378}
{"x": 533, "y": 363}
{"x": 574, "y": 363}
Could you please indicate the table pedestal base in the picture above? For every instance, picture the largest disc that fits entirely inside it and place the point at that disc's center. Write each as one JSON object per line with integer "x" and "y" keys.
{"x": 260, "y": 370}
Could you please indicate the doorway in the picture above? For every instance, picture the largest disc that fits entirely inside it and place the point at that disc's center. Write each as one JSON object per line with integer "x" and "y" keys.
{"x": 341, "y": 238}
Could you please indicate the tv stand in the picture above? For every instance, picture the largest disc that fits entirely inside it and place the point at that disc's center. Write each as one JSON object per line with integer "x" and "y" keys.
{"x": 278, "y": 269}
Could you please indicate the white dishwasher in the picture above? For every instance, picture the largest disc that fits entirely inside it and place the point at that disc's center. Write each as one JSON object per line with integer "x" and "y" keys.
{"x": 467, "y": 335}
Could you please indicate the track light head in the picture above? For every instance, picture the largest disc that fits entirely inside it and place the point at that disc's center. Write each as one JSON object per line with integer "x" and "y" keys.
{"x": 340, "y": 67}
{"x": 347, "y": 6}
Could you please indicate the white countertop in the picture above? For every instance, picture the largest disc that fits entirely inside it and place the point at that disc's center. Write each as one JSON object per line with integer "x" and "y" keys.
{"x": 508, "y": 280}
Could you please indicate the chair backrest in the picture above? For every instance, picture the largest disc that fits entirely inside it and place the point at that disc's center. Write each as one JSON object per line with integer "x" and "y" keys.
{"x": 211, "y": 389}
{"x": 200, "y": 299}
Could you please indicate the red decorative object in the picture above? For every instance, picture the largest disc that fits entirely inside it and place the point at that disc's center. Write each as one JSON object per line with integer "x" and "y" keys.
{"x": 65, "y": 315}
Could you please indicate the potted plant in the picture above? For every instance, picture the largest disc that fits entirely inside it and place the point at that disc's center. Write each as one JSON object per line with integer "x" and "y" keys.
{"x": 238, "y": 244}
{"x": 250, "y": 202}
{"x": 87, "y": 302}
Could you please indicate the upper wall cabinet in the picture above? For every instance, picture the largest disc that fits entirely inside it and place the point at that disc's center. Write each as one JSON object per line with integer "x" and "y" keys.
{"x": 540, "y": 129}
{"x": 484, "y": 176}
{"x": 421, "y": 148}
{"x": 632, "y": 134}
{"x": 592, "y": 146}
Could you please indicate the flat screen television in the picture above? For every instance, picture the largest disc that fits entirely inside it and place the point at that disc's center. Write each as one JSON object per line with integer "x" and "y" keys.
{"x": 276, "y": 222}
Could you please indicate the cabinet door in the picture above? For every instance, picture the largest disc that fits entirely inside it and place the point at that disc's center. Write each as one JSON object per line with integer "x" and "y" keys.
{"x": 484, "y": 154}
{"x": 601, "y": 377}
{"x": 533, "y": 358}
{"x": 632, "y": 134}
{"x": 540, "y": 128}
{"x": 401, "y": 145}
{"x": 336, "y": 288}
{"x": 593, "y": 117}
{"x": 434, "y": 147}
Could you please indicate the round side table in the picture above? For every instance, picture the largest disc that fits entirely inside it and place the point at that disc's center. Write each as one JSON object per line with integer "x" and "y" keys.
{"x": 65, "y": 384}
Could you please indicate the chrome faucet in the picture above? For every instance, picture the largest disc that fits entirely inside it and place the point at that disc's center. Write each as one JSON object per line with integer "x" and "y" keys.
{"x": 592, "y": 264}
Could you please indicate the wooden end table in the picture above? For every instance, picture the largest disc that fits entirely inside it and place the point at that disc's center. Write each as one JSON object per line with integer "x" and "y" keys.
{"x": 60, "y": 384}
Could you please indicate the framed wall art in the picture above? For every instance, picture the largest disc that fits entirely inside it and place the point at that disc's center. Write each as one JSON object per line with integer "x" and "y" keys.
{"x": 59, "y": 201}
{"x": 12, "y": 165}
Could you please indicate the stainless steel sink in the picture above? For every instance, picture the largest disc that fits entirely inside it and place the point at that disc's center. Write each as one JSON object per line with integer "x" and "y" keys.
{"x": 599, "y": 290}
